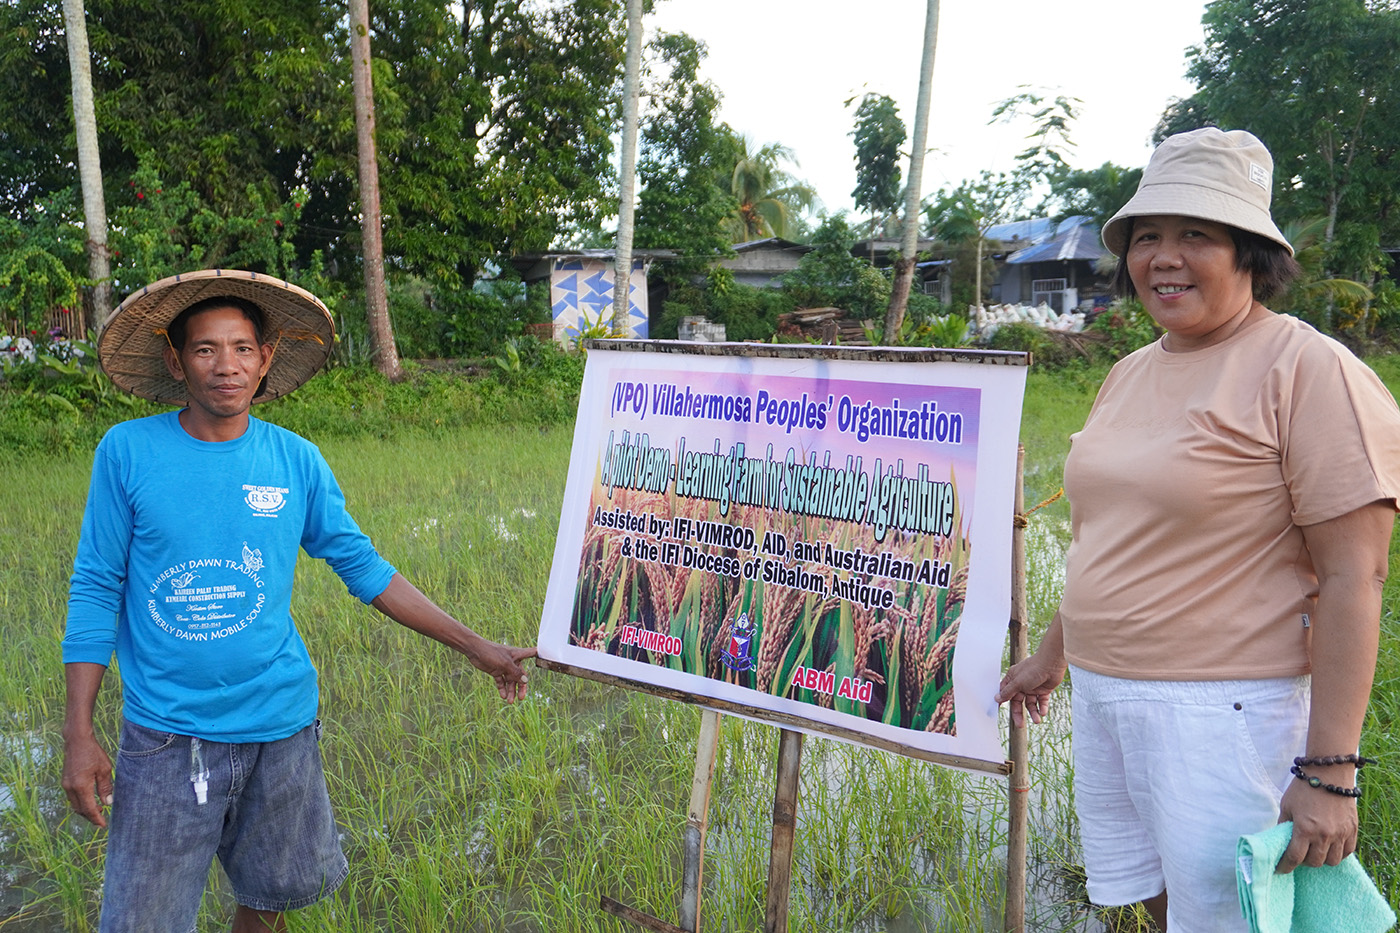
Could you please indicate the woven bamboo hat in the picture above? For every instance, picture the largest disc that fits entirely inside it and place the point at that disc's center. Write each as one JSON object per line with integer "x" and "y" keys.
{"x": 133, "y": 339}
{"x": 1222, "y": 175}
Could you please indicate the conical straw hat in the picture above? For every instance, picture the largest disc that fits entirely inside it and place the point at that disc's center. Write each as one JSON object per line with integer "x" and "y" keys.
{"x": 133, "y": 339}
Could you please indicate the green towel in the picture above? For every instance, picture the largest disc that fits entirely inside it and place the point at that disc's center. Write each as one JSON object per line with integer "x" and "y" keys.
{"x": 1308, "y": 900}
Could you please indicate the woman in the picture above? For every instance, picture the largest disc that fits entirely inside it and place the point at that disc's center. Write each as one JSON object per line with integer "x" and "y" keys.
{"x": 1232, "y": 495}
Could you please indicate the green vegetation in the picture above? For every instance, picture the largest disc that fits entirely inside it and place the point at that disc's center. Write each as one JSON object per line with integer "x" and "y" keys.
{"x": 226, "y": 139}
{"x": 461, "y": 814}
{"x": 43, "y": 411}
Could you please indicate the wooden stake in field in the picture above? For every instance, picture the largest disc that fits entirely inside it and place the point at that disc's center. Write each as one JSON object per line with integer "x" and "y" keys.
{"x": 1018, "y": 787}
{"x": 692, "y": 843}
{"x": 697, "y": 821}
{"x": 775, "y": 918}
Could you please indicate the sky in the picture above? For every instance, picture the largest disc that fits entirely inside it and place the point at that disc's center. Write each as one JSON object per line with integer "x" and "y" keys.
{"x": 786, "y": 68}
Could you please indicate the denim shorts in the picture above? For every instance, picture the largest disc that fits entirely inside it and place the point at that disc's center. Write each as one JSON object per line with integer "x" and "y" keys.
{"x": 266, "y": 817}
{"x": 1169, "y": 774}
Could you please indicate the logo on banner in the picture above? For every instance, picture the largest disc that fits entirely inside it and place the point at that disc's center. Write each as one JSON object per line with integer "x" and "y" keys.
{"x": 739, "y": 655}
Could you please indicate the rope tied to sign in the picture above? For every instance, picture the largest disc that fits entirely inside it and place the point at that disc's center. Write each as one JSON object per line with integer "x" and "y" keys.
{"x": 1023, "y": 520}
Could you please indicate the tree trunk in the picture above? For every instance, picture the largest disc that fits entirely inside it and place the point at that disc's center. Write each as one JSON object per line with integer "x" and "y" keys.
{"x": 381, "y": 330}
{"x": 977, "y": 293}
{"x": 89, "y": 167}
{"x": 622, "y": 273}
{"x": 913, "y": 194}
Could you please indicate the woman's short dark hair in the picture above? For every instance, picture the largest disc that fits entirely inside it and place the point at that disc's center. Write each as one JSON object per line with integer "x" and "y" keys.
{"x": 178, "y": 328}
{"x": 1271, "y": 267}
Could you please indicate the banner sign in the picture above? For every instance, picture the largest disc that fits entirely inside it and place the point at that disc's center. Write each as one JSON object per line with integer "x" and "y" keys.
{"x": 827, "y": 538}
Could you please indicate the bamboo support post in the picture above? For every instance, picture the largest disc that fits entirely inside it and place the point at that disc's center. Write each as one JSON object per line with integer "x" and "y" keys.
{"x": 784, "y": 829}
{"x": 693, "y": 839}
{"x": 1018, "y": 787}
{"x": 619, "y": 909}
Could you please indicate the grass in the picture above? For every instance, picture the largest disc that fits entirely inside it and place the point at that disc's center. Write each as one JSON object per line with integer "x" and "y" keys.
{"x": 461, "y": 814}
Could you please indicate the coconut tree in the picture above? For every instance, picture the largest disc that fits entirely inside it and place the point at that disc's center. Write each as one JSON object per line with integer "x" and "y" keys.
{"x": 1314, "y": 292}
{"x": 381, "y": 329}
{"x": 768, "y": 196}
{"x": 89, "y": 164}
{"x": 913, "y": 191}
{"x": 965, "y": 214}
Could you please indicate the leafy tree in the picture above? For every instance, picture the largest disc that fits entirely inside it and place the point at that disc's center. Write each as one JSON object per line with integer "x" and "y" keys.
{"x": 683, "y": 204}
{"x": 228, "y": 96}
{"x": 829, "y": 276}
{"x": 1097, "y": 192}
{"x": 498, "y": 124}
{"x": 1315, "y": 294}
{"x": 232, "y": 96}
{"x": 159, "y": 230}
{"x": 768, "y": 196}
{"x": 1316, "y": 81}
{"x": 1182, "y": 115}
{"x": 963, "y": 216}
{"x": 37, "y": 259}
{"x": 1049, "y": 141}
{"x": 36, "y": 146}
{"x": 495, "y": 116}
{"x": 879, "y": 132}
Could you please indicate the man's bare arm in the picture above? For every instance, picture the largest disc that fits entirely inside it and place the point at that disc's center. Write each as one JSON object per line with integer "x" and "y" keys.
{"x": 405, "y": 604}
{"x": 87, "y": 770}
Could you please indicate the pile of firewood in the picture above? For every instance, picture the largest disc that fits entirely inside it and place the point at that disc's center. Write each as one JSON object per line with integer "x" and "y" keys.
{"x": 823, "y": 325}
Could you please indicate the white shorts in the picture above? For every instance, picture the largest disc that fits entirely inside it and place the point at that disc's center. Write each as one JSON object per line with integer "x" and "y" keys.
{"x": 1169, "y": 774}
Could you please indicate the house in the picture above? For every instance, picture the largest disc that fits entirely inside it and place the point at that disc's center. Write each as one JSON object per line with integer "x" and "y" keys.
{"x": 581, "y": 287}
{"x": 763, "y": 263}
{"x": 1043, "y": 262}
{"x": 930, "y": 276}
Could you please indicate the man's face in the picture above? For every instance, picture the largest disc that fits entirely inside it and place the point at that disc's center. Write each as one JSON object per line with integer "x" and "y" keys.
{"x": 221, "y": 364}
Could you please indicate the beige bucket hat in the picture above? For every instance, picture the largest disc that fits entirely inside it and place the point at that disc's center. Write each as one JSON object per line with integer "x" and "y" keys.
{"x": 133, "y": 338}
{"x": 1222, "y": 175}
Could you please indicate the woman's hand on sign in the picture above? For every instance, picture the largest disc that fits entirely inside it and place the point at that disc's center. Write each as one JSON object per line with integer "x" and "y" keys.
{"x": 1027, "y": 685}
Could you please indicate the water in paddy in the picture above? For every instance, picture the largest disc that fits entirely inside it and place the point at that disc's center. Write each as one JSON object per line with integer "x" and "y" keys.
{"x": 966, "y": 820}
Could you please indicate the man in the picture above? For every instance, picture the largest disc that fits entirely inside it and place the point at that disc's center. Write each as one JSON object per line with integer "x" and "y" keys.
{"x": 184, "y": 568}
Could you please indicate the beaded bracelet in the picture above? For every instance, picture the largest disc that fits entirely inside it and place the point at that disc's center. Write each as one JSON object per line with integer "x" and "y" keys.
{"x": 1314, "y": 781}
{"x": 1326, "y": 760}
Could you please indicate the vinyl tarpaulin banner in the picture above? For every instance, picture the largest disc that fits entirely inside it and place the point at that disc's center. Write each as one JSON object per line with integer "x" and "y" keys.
{"x": 822, "y": 537}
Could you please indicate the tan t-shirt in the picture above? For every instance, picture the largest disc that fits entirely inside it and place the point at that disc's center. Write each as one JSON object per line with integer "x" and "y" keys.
{"x": 1187, "y": 487}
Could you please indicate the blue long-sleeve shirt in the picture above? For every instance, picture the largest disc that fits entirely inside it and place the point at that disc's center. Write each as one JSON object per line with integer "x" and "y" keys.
{"x": 184, "y": 569}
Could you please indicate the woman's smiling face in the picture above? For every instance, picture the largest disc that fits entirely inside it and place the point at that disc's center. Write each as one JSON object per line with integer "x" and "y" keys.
{"x": 1184, "y": 271}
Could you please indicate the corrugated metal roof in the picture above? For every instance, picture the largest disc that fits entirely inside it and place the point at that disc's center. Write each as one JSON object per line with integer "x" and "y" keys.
{"x": 1074, "y": 242}
{"x": 771, "y": 242}
{"x": 1033, "y": 230}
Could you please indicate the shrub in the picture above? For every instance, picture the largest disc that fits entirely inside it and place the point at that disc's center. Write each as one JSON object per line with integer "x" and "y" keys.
{"x": 476, "y": 321}
{"x": 747, "y": 312}
{"x": 829, "y": 276}
{"x": 1045, "y": 350}
{"x": 340, "y": 402}
{"x": 1126, "y": 326}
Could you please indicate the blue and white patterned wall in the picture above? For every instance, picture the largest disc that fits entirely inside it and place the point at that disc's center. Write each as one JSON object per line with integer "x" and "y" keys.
{"x": 581, "y": 295}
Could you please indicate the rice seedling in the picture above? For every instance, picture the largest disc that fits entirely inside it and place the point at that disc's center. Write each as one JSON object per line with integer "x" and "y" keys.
{"x": 461, "y": 814}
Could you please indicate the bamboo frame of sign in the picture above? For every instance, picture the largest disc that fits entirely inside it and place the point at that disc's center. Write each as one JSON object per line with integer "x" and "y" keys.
{"x": 1019, "y": 783}
{"x": 794, "y": 727}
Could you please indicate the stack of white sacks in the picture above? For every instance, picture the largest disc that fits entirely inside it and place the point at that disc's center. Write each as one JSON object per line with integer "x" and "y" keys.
{"x": 985, "y": 320}
{"x": 16, "y": 350}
